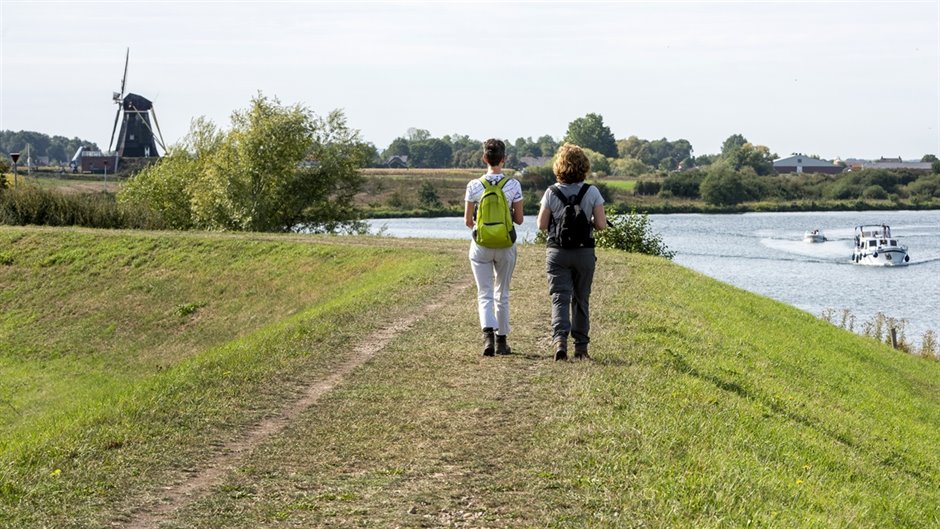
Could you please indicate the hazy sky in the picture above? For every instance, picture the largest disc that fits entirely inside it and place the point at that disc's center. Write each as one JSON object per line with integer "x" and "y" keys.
{"x": 847, "y": 79}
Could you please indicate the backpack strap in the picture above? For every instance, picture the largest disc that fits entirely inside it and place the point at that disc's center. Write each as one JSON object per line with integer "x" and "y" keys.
{"x": 499, "y": 183}
{"x": 581, "y": 193}
{"x": 573, "y": 199}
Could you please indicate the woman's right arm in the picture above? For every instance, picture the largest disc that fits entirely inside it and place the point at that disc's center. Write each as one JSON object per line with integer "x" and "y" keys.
{"x": 468, "y": 214}
{"x": 600, "y": 218}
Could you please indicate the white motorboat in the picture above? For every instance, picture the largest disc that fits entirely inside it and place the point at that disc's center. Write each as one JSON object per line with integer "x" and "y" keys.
{"x": 874, "y": 246}
{"x": 814, "y": 236}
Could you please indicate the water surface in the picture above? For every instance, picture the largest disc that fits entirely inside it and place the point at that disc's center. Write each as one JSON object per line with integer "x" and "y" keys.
{"x": 765, "y": 253}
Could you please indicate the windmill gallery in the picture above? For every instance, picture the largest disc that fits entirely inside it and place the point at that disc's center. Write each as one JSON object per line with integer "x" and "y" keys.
{"x": 137, "y": 138}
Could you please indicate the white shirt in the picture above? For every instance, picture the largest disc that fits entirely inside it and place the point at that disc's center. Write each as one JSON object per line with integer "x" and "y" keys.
{"x": 512, "y": 189}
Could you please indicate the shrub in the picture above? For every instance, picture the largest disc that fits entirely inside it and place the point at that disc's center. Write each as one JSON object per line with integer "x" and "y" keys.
{"x": 647, "y": 187}
{"x": 875, "y": 192}
{"x": 428, "y": 195}
{"x": 685, "y": 184}
{"x": 632, "y": 233}
{"x": 537, "y": 177}
{"x": 29, "y": 204}
{"x": 927, "y": 186}
{"x": 277, "y": 168}
{"x": 724, "y": 186}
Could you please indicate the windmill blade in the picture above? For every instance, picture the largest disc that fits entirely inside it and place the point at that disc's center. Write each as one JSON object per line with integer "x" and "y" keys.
{"x": 127, "y": 60}
{"x": 159, "y": 135}
{"x": 114, "y": 130}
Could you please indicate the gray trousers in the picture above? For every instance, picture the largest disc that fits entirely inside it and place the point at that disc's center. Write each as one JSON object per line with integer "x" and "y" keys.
{"x": 570, "y": 274}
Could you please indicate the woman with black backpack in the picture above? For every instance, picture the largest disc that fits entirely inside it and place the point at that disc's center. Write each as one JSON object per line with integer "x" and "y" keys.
{"x": 571, "y": 211}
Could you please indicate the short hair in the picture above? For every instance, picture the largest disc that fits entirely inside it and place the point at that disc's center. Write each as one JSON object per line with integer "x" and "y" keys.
{"x": 494, "y": 151}
{"x": 571, "y": 164}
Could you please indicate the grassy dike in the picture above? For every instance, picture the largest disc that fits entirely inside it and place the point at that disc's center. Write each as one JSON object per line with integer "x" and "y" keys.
{"x": 704, "y": 406}
{"x": 125, "y": 357}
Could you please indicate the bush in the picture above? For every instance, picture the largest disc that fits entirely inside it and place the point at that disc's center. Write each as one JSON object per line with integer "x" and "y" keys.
{"x": 632, "y": 233}
{"x": 685, "y": 184}
{"x": 537, "y": 177}
{"x": 628, "y": 167}
{"x": 875, "y": 192}
{"x": 647, "y": 188}
{"x": 927, "y": 186}
{"x": 428, "y": 194}
{"x": 29, "y": 204}
{"x": 277, "y": 168}
{"x": 726, "y": 187}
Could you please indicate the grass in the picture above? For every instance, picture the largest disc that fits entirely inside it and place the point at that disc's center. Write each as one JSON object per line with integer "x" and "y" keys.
{"x": 620, "y": 185}
{"x": 705, "y": 406}
{"x": 127, "y": 355}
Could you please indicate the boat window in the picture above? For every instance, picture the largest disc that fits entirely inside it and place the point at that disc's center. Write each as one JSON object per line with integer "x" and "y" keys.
{"x": 872, "y": 243}
{"x": 894, "y": 242}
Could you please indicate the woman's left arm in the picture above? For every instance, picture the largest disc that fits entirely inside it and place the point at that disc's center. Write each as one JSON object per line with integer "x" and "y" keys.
{"x": 517, "y": 213}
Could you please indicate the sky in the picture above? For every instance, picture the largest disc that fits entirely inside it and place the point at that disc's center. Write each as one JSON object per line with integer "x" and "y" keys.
{"x": 837, "y": 79}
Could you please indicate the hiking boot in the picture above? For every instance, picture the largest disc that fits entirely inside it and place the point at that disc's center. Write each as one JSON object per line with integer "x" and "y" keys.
{"x": 581, "y": 351}
{"x": 561, "y": 349}
{"x": 502, "y": 348}
{"x": 489, "y": 342}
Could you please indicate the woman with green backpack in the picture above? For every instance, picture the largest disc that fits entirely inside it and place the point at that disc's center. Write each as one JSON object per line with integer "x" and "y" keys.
{"x": 493, "y": 205}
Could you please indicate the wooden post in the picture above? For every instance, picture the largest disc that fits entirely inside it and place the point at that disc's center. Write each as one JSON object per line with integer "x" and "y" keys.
{"x": 894, "y": 338}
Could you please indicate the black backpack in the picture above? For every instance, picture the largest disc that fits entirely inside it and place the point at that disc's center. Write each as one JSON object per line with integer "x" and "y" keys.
{"x": 574, "y": 229}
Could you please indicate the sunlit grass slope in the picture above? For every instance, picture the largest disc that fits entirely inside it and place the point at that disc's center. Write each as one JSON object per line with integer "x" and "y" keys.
{"x": 123, "y": 355}
{"x": 705, "y": 406}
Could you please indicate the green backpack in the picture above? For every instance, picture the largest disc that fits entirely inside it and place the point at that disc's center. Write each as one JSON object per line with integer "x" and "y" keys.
{"x": 494, "y": 227}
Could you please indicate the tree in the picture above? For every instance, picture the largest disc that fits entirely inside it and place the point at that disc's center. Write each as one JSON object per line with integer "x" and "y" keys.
{"x": 276, "y": 168}
{"x": 733, "y": 142}
{"x": 398, "y": 147}
{"x": 428, "y": 196}
{"x": 725, "y": 186}
{"x": 599, "y": 162}
{"x": 929, "y": 158}
{"x": 414, "y": 134}
{"x": 757, "y": 157}
{"x": 430, "y": 153}
{"x": 590, "y": 132}
{"x": 547, "y": 145}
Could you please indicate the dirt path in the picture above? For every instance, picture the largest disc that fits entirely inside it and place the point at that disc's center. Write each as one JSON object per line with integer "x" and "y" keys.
{"x": 200, "y": 482}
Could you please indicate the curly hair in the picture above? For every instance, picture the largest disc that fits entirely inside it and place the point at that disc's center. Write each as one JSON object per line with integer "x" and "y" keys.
{"x": 571, "y": 164}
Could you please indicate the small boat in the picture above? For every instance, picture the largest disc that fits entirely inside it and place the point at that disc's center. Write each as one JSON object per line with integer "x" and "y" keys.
{"x": 814, "y": 236}
{"x": 874, "y": 246}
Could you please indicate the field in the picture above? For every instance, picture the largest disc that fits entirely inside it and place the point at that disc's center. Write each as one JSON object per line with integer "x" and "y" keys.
{"x": 205, "y": 380}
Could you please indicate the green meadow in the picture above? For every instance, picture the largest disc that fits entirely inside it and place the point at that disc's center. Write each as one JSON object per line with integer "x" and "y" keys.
{"x": 130, "y": 361}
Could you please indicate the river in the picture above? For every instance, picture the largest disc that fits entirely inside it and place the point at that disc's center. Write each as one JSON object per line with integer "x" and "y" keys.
{"x": 764, "y": 253}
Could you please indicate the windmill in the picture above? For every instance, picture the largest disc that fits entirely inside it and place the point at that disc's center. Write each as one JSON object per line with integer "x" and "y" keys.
{"x": 136, "y": 138}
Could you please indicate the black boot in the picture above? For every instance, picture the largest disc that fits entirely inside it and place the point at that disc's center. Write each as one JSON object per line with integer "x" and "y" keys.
{"x": 489, "y": 342}
{"x": 502, "y": 348}
{"x": 581, "y": 351}
{"x": 561, "y": 348}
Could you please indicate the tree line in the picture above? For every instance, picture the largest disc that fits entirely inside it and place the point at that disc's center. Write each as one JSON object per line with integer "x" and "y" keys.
{"x": 632, "y": 156}
{"x": 58, "y": 149}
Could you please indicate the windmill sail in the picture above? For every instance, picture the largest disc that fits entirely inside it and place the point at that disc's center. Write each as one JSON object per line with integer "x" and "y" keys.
{"x": 136, "y": 138}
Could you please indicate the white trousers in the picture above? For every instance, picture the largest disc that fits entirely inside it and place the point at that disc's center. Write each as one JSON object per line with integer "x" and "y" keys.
{"x": 492, "y": 269}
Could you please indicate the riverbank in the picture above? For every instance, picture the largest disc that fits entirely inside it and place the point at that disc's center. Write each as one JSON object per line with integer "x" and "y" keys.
{"x": 667, "y": 207}
{"x": 704, "y": 406}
